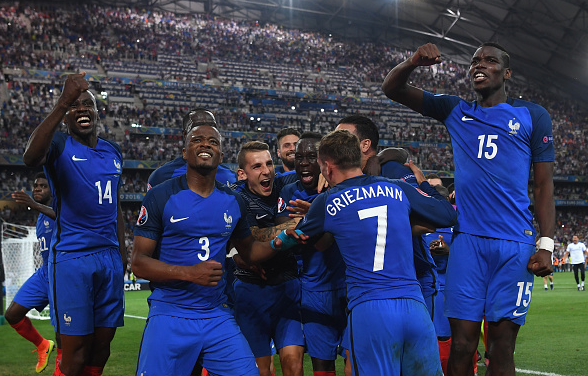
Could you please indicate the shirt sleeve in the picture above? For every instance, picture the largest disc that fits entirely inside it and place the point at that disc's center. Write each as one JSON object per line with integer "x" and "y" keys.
{"x": 285, "y": 196}
{"x": 241, "y": 230}
{"x": 428, "y": 204}
{"x": 149, "y": 224}
{"x": 439, "y": 106}
{"x": 313, "y": 223}
{"x": 542, "y": 149}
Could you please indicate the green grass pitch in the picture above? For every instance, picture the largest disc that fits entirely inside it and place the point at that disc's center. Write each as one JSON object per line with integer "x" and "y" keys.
{"x": 553, "y": 342}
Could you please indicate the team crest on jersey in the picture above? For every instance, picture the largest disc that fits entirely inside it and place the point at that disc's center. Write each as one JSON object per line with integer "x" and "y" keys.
{"x": 117, "y": 165}
{"x": 143, "y": 215}
{"x": 46, "y": 223}
{"x": 281, "y": 205}
{"x": 514, "y": 127}
{"x": 228, "y": 219}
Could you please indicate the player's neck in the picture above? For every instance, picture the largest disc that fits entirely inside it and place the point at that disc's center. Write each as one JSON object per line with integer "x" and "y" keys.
{"x": 491, "y": 99}
{"x": 364, "y": 157}
{"x": 340, "y": 175}
{"x": 201, "y": 182}
{"x": 90, "y": 141}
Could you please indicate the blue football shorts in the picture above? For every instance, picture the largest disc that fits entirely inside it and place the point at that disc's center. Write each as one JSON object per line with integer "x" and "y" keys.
{"x": 87, "y": 292}
{"x": 441, "y": 321}
{"x": 428, "y": 283}
{"x": 173, "y": 345}
{"x": 393, "y": 337}
{"x": 488, "y": 277}
{"x": 266, "y": 312}
{"x": 324, "y": 320}
{"x": 34, "y": 293}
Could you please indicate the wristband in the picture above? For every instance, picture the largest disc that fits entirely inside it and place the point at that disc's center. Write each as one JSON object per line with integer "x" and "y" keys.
{"x": 546, "y": 243}
{"x": 287, "y": 241}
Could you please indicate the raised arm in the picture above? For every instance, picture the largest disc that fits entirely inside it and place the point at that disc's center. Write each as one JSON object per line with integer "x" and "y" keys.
{"x": 396, "y": 85}
{"x": 38, "y": 145}
{"x": 540, "y": 262}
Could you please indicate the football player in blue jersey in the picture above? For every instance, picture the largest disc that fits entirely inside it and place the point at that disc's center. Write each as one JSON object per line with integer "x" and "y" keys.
{"x": 323, "y": 299}
{"x": 34, "y": 293}
{"x": 267, "y": 296}
{"x": 84, "y": 172}
{"x": 390, "y": 330}
{"x": 439, "y": 243}
{"x": 180, "y": 245}
{"x": 287, "y": 139}
{"x": 392, "y": 166}
{"x": 495, "y": 141}
{"x": 177, "y": 167}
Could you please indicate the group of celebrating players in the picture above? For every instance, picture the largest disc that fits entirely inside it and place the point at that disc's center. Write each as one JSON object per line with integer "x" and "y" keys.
{"x": 327, "y": 256}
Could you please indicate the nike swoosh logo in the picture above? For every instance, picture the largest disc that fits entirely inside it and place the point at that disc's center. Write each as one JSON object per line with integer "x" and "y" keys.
{"x": 173, "y": 220}
{"x": 465, "y": 118}
{"x": 260, "y": 216}
{"x": 517, "y": 314}
{"x": 73, "y": 158}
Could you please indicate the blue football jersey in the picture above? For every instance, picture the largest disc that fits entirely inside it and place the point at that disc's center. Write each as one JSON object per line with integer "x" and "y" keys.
{"x": 84, "y": 183}
{"x": 178, "y": 167}
{"x": 369, "y": 218}
{"x": 190, "y": 229}
{"x": 423, "y": 261}
{"x": 493, "y": 149}
{"x": 322, "y": 271}
{"x": 262, "y": 212}
{"x": 44, "y": 232}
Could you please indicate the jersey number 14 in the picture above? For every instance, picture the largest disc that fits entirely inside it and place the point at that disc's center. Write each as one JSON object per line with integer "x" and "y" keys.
{"x": 107, "y": 192}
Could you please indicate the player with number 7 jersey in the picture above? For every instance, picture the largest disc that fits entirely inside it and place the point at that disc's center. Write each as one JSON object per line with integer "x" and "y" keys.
{"x": 390, "y": 330}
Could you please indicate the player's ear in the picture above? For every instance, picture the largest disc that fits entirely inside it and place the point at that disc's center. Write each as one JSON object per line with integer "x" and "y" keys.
{"x": 507, "y": 74}
{"x": 241, "y": 175}
{"x": 365, "y": 145}
{"x": 221, "y": 157}
{"x": 184, "y": 153}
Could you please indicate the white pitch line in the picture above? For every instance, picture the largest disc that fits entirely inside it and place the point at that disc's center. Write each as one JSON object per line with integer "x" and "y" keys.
{"x": 143, "y": 318}
{"x": 528, "y": 371}
{"x": 536, "y": 372}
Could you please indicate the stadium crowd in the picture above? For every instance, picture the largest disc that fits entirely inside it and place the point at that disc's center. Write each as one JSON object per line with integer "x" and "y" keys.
{"x": 46, "y": 38}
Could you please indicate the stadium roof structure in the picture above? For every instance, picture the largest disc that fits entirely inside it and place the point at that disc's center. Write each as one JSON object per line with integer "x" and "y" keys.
{"x": 547, "y": 39}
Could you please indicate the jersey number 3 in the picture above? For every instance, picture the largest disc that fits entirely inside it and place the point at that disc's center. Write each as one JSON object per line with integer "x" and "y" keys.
{"x": 382, "y": 213}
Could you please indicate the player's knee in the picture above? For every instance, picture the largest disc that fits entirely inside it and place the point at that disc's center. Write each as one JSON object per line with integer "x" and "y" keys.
{"x": 462, "y": 347}
{"x": 13, "y": 314}
{"x": 291, "y": 363}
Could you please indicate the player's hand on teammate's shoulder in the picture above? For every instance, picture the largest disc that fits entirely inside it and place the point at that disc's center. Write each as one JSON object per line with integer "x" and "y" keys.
{"x": 425, "y": 55}
{"x": 418, "y": 173}
{"x": 75, "y": 84}
{"x": 206, "y": 273}
{"x": 298, "y": 207}
{"x": 540, "y": 263}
